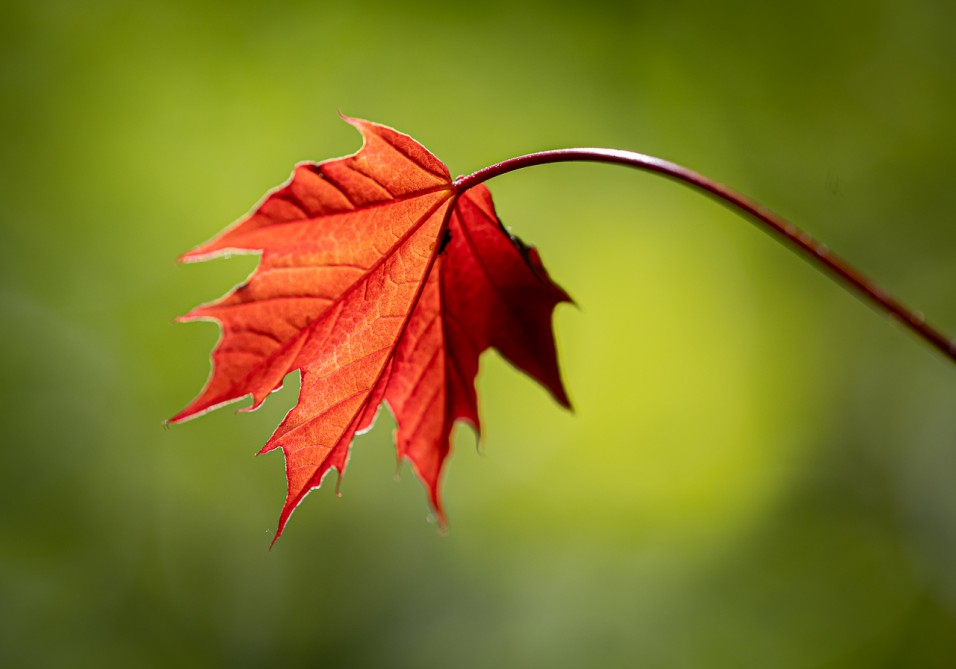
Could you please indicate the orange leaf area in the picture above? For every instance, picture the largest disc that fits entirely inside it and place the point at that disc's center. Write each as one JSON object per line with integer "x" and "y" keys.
{"x": 378, "y": 281}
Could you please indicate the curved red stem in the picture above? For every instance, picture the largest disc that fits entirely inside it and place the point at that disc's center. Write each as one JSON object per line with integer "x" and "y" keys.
{"x": 814, "y": 251}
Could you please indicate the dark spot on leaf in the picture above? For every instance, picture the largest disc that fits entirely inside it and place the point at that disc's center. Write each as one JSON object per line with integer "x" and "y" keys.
{"x": 444, "y": 241}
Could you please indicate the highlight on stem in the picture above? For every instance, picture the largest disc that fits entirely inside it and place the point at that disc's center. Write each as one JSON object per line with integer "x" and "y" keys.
{"x": 790, "y": 235}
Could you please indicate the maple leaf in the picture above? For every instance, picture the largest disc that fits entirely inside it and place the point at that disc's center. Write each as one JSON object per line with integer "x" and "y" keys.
{"x": 379, "y": 280}
{"x": 382, "y": 280}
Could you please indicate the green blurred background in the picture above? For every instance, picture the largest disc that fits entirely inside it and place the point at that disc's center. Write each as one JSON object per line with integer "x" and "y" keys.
{"x": 759, "y": 471}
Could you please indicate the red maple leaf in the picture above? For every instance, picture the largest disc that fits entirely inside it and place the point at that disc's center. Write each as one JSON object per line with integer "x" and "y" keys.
{"x": 378, "y": 280}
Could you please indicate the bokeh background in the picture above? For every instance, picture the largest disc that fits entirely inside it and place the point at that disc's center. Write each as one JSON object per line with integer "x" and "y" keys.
{"x": 759, "y": 471}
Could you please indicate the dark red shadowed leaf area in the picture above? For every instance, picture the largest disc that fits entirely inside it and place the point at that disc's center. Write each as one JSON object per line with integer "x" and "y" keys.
{"x": 379, "y": 280}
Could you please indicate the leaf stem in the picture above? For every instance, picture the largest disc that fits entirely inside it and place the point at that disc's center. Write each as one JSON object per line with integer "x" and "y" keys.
{"x": 770, "y": 222}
